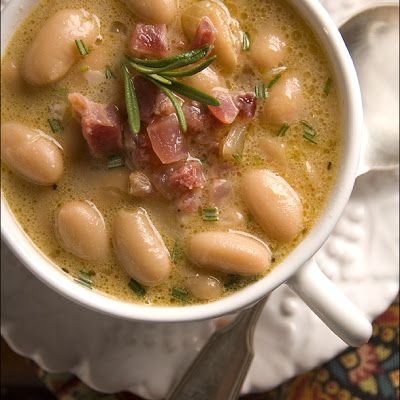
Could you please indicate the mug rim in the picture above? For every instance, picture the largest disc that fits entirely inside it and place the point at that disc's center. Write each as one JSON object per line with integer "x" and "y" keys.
{"x": 327, "y": 33}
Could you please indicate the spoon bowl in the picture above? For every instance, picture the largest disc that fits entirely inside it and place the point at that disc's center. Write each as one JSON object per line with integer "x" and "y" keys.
{"x": 372, "y": 38}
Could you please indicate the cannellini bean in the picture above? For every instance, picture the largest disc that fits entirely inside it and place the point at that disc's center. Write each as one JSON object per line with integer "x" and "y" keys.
{"x": 53, "y": 51}
{"x": 140, "y": 248}
{"x": 156, "y": 11}
{"x": 204, "y": 287}
{"x": 31, "y": 153}
{"x": 206, "y": 80}
{"x": 273, "y": 203}
{"x": 267, "y": 50}
{"x": 285, "y": 102}
{"x": 80, "y": 230}
{"x": 230, "y": 252}
{"x": 227, "y": 37}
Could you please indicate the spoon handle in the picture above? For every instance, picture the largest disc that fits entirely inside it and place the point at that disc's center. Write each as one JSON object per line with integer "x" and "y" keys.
{"x": 219, "y": 370}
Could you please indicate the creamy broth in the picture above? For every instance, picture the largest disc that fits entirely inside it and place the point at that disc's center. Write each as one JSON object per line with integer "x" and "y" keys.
{"x": 309, "y": 168}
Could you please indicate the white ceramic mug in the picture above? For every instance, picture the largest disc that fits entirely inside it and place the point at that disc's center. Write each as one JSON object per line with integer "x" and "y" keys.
{"x": 298, "y": 270}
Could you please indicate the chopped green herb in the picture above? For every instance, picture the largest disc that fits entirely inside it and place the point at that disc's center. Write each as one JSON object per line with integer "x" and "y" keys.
{"x": 246, "y": 42}
{"x": 328, "y": 86}
{"x": 274, "y": 80}
{"x": 85, "y": 279}
{"x": 261, "y": 91}
{"x": 283, "y": 129}
{"x": 137, "y": 287}
{"x": 180, "y": 294}
{"x": 210, "y": 214}
{"x": 329, "y": 165}
{"x": 308, "y": 132}
{"x": 115, "y": 162}
{"x": 237, "y": 157}
{"x": 109, "y": 73}
{"x": 55, "y": 125}
{"x": 62, "y": 91}
{"x": 176, "y": 252}
{"x": 231, "y": 281}
{"x": 84, "y": 68}
{"x": 83, "y": 51}
{"x": 132, "y": 106}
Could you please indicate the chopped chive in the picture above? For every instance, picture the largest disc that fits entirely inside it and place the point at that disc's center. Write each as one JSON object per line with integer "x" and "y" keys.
{"x": 132, "y": 106}
{"x": 55, "y": 125}
{"x": 83, "y": 51}
{"x": 283, "y": 129}
{"x": 274, "y": 80}
{"x": 261, "y": 91}
{"x": 329, "y": 166}
{"x": 231, "y": 281}
{"x": 237, "y": 157}
{"x": 308, "y": 132}
{"x": 180, "y": 294}
{"x": 85, "y": 279}
{"x": 246, "y": 42}
{"x": 115, "y": 162}
{"x": 84, "y": 68}
{"x": 176, "y": 252}
{"x": 109, "y": 73}
{"x": 328, "y": 86}
{"x": 137, "y": 287}
{"x": 210, "y": 214}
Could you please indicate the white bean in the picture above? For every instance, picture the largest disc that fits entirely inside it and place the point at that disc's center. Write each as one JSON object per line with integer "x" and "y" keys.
{"x": 267, "y": 50}
{"x": 227, "y": 39}
{"x": 273, "y": 203}
{"x": 285, "y": 102}
{"x": 31, "y": 153}
{"x": 53, "y": 50}
{"x": 204, "y": 287}
{"x": 230, "y": 252}
{"x": 140, "y": 248}
{"x": 80, "y": 230}
{"x": 156, "y": 11}
{"x": 206, "y": 80}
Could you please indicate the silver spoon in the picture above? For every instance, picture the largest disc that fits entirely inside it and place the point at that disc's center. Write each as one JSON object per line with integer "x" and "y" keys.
{"x": 372, "y": 39}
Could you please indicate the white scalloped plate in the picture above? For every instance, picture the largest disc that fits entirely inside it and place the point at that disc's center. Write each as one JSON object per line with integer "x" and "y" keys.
{"x": 112, "y": 355}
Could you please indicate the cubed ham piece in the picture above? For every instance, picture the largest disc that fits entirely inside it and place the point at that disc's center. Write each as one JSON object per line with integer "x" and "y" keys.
{"x": 101, "y": 125}
{"x": 190, "y": 176}
{"x": 147, "y": 95}
{"x": 247, "y": 105}
{"x": 149, "y": 41}
{"x": 219, "y": 191}
{"x": 164, "y": 105}
{"x": 167, "y": 139}
{"x": 227, "y": 111}
{"x": 197, "y": 118}
{"x": 205, "y": 33}
{"x": 173, "y": 180}
{"x": 189, "y": 202}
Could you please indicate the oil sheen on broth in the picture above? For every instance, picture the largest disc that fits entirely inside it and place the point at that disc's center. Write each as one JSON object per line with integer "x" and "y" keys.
{"x": 270, "y": 144}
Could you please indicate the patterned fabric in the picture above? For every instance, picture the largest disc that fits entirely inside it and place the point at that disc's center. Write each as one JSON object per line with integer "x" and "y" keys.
{"x": 370, "y": 372}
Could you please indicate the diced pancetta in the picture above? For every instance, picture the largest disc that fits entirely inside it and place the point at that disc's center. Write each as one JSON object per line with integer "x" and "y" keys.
{"x": 149, "y": 41}
{"x": 219, "y": 191}
{"x": 197, "y": 118}
{"x": 247, "y": 105}
{"x": 189, "y": 202}
{"x": 189, "y": 176}
{"x": 227, "y": 111}
{"x": 101, "y": 125}
{"x": 167, "y": 139}
{"x": 147, "y": 95}
{"x": 205, "y": 33}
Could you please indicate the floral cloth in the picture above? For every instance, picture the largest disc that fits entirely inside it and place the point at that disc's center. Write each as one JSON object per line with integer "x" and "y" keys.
{"x": 370, "y": 372}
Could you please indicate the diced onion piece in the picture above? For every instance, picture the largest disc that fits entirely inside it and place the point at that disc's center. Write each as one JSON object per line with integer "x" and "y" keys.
{"x": 233, "y": 144}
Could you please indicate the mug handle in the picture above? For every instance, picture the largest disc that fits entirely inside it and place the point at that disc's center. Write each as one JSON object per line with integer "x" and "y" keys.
{"x": 330, "y": 304}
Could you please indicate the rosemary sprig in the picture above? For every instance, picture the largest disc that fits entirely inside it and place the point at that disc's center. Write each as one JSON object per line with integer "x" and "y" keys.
{"x": 194, "y": 94}
{"x": 203, "y": 51}
{"x": 192, "y": 71}
{"x": 132, "y": 106}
